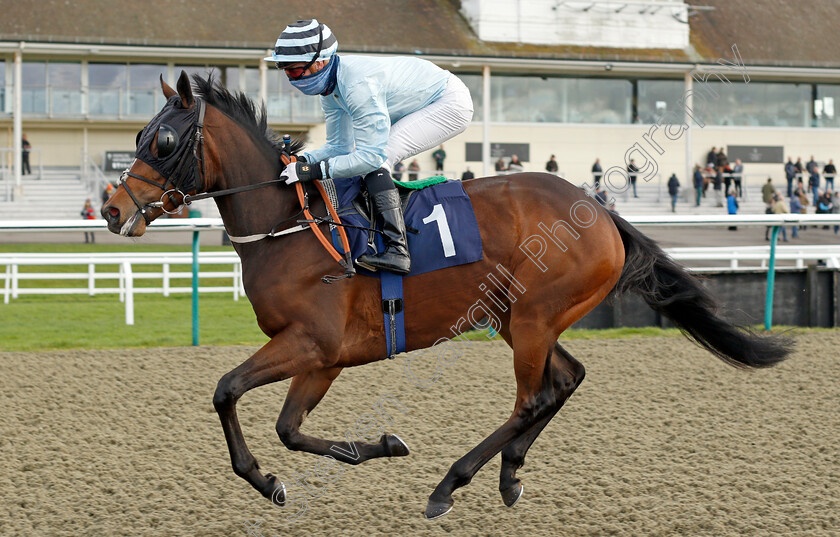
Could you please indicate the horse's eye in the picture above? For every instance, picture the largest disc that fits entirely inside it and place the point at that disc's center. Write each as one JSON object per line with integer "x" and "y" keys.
{"x": 167, "y": 141}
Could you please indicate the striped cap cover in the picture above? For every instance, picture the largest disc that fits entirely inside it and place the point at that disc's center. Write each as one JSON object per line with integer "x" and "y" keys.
{"x": 299, "y": 43}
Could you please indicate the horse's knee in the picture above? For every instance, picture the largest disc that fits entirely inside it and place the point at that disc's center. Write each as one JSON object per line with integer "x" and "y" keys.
{"x": 227, "y": 392}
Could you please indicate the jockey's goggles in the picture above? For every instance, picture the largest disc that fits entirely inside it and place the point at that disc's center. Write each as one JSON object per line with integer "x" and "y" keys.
{"x": 293, "y": 72}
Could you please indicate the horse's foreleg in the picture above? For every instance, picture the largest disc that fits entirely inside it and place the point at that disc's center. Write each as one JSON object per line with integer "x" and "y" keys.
{"x": 275, "y": 361}
{"x": 565, "y": 374}
{"x": 305, "y": 392}
{"x": 533, "y": 403}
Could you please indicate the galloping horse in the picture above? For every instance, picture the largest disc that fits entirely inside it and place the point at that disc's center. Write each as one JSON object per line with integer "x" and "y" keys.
{"x": 553, "y": 253}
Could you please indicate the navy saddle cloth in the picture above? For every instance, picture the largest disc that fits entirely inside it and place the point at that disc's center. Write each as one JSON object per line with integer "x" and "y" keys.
{"x": 442, "y": 228}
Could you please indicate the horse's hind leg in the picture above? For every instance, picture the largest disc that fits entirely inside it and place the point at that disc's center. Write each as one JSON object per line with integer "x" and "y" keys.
{"x": 563, "y": 375}
{"x": 533, "y": 403}
{"x": 305, "y": 392}
{"x": 273, "y": 362}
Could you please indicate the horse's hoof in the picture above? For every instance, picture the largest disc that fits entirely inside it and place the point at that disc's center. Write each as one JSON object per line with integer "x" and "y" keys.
{"x": 438, "y": 509}
{"x": 394, "y": 445}
{"x": 278, "y": 490}
{"x": 512, "y": 494}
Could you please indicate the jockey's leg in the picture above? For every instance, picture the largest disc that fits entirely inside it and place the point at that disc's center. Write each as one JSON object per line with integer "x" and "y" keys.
{"x": 432, "y": 125}
{"x": 386, "y": 203}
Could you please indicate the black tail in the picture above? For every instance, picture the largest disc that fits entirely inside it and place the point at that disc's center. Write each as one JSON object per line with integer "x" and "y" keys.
{"x": 670, "y": 290}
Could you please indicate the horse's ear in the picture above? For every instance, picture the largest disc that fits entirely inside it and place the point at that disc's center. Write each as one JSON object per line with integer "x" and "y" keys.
{"x": 185, "y": 90}
{"x": 167, "y": 90}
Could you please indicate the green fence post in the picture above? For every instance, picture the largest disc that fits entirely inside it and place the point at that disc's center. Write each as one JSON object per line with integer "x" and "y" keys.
{"x": 771, "y": 280}
{"x": 195, "y": 289}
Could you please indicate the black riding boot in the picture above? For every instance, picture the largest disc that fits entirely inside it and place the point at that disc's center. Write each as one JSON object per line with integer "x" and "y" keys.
{"x": 386, "y": 203}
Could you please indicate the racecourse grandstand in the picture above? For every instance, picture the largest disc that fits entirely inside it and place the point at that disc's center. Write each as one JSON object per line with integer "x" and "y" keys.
{"x": 579, "y": 80}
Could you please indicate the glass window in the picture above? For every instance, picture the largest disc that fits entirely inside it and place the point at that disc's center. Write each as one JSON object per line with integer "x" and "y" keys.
{"x": 827, "y": 105}
{"x": 65, "y": 88}
{"x": 658, "y": 97}
{"x": 755, "y": 104}
{"x": 202, "y": 70}
{"x": 107, "y": 83}
{"x": 252, "y": 83}
{"x": 560, "y": 100}
{"x": 34, "y": 90}
{"x": 144, "y": 94}
{"x": 476, "y": 87}
{"x": 232, "y": 78}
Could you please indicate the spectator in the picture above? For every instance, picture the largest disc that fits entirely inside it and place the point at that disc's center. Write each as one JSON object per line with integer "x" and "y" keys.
{"x": 718, "y": 187}
{"x": 632, "y": 171}
{"x": 811, "y": 165}
{"x": 699, "y": 183}
{"x": 467, "y": 175}
{"x": 727, "y": 179}
{"x": 829, "y": 172}
{"x": 799, "y": 167}
{"x": 737, "y": 170}
{"x": 778, "y": 207}
{"x": 399, "y": 168}
{"x": 24, "y": 156}
{"x": 768, "y": 191}
{"x": 500, "y": 165}
{"x": 711, "y": 158}
{"x": 732, "y": 206}
{"x": 823, "y": 205}
{"x": 835, "y": 209}
{"x": 515, "y": 165}
{"x": 673, "y": 190}
{"x": 721, "y": 160}
{"x": 597, "y": 172}
{"x": 551, "y": 165}
{"x": 601, "y": 196}
{"x": 795, "y": 208}
{"x": 88, "y": 214}
{"x": 413, "y": 167}
{"x": 439, "y": 156}
{"x": 814, "y": 183}
{"x": 107, "y": 193}
{"x": 790, "y": 174}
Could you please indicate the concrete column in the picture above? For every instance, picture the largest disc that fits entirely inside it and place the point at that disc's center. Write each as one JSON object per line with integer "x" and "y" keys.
{"x": 17, "y": 130}
{"x": 689, "y": 160}
{"x": 264, "y": 80}
{"x": 485, "y": 106}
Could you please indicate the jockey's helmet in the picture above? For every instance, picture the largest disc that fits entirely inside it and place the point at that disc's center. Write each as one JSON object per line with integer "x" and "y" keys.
{"x": 304, "y": 41}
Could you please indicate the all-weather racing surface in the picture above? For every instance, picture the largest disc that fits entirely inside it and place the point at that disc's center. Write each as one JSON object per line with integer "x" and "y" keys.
{"x": 659, "y": 439}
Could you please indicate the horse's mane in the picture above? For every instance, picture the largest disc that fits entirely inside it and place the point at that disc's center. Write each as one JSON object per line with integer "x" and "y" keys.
{"x": 240, "y": 108}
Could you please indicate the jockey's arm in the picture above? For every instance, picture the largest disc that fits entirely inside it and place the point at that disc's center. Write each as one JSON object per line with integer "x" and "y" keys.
{"x": 369, "y": 127}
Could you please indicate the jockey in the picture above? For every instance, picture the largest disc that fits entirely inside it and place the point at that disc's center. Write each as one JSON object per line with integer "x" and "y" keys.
{"x": 379, "y": 111}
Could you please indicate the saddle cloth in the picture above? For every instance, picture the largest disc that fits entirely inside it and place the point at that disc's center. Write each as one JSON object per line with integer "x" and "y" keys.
{"x": 442, "y": 228}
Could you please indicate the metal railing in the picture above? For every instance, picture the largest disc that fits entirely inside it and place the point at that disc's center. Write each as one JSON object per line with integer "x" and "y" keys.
{"x": 7, "y": 155}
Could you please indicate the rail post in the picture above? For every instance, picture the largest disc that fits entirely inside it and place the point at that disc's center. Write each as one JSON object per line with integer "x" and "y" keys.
{"x": 771, "y": 280}
{"x": 195, "y": 289}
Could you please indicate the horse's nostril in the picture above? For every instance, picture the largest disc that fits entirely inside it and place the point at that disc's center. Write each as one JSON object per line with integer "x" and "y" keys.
{"x": 113, "y": 211}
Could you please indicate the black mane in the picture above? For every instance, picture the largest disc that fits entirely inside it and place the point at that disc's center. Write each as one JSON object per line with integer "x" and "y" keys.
{"x": 243, "y": 110}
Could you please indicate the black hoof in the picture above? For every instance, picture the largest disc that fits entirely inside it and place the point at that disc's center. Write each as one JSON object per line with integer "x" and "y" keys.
{"x": 438, "y": 509}
{"x": 277, "y": 490}
{"x": 512, "y": 494}
{"x": 394, "y": 445}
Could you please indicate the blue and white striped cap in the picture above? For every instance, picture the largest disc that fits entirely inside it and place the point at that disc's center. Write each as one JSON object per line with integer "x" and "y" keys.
{"x": 299, "y": 43}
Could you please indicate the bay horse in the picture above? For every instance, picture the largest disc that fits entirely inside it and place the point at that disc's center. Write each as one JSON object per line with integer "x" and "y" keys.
{"x": 560, "y": 253}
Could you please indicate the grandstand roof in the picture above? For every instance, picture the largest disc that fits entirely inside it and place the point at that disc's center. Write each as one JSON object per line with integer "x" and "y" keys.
{"x": 768, "y": 32}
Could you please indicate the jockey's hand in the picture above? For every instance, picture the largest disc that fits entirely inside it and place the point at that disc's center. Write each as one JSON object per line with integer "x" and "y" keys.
{"x": 301, "y": 171}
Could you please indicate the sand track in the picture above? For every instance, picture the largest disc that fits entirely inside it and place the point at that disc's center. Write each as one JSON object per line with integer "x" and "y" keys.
{"x": 660, "y": 439}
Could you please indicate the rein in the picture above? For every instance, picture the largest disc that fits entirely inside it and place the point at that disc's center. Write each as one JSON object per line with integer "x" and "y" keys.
{"x": 197, "y": 149}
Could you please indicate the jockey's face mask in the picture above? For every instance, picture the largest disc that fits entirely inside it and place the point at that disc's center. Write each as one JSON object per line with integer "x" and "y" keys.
{"x": 172, "y": 128}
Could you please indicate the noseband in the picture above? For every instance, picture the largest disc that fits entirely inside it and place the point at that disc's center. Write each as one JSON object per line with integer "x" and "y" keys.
{"x": 196, "y": 147}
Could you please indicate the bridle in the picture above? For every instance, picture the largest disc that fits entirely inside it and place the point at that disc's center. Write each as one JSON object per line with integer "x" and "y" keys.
{"x": 177, "y": 178}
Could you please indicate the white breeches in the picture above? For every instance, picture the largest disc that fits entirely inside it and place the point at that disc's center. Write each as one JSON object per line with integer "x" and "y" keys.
{"x": 430, "y": 126}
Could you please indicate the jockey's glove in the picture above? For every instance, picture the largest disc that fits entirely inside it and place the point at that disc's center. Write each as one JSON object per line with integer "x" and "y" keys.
{"x": 303, "y": 171}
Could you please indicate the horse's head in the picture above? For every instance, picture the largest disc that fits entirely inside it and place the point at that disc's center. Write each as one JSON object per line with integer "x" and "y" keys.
{"x": 168, "y": 164}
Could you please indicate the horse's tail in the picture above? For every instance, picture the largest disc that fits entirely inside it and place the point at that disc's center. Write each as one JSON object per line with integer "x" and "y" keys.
{"x": 670, "y": 290}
